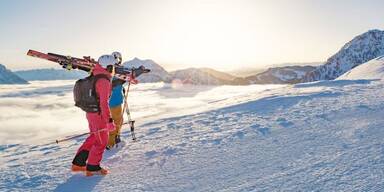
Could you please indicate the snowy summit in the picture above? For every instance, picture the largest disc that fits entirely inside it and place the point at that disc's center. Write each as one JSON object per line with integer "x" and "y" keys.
{"x": 359, "y": 50}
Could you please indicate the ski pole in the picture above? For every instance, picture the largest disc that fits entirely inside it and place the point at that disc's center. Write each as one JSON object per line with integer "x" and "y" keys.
{"x": 126, "y": 109}
{"x": 77, "y": 136}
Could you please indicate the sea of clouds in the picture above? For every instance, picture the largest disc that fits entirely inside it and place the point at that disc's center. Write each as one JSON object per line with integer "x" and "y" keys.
{"x": 44, "y": 111}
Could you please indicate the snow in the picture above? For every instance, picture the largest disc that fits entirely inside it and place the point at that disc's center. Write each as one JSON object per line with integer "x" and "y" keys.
{"x": 322, "y": 136}
{"x": 373, "y": 69}
{"x": 157, "y": 74}
{"x": 283, "y": 75}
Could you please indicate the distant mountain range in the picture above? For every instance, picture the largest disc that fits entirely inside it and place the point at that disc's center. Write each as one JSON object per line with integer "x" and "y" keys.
{"x": 281, "y": 75}
{"x": 8, "y": 77}
{"x": 359, "y": 50}
{"x": 250, "y": 71}
{"x": 205, "y": 76}
{"x": 50, "y": 74}
{"x": 196, "y": 76}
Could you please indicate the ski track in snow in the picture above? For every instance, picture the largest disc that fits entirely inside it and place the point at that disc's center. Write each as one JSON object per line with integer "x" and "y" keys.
{"x": 324, "y": 136}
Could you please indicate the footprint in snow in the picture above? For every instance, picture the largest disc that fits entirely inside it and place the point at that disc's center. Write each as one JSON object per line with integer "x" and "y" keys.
{"x": 151, "y": 154}
{"x": 216, "y": 129}
{"x": 49, "y": 148}
{"x": 264, "y": 131}
{"x": 213, "y": 141}
{"x": 239, "y": 134}
{"x": 172, "y": 126}
{"x": 261, "y": 130}
{"x": 363, "y": 107}
{"x": 284, "y": 123}
{"x": 169, "y": 151}
{"x": 153, "y": 131}
{"x": 182, "y": 145}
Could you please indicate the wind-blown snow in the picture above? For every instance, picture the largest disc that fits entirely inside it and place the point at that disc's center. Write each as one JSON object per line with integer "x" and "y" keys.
{"x": 323, "y": 136}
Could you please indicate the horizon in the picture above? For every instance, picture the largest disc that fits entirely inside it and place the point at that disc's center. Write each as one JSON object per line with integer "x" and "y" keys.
{"x": 185, "y": 34}
{"x": 265, "y": 67}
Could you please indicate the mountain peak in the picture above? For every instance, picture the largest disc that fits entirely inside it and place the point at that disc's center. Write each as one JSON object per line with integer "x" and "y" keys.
{"x": 136, "y": 59}
{"x": 360, "y": 49}
{"x": 8, "y": 77}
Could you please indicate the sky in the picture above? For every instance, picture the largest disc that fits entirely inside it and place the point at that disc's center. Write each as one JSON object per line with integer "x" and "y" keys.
{"x": 222, "y": 34}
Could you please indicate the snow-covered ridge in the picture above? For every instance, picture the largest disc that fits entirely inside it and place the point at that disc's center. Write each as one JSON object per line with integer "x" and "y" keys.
{"x": 373, "y": 69}
{"x": 205, "y": 76}
{"x": 8, "y": 77}
{"x": 359, "y": 50}
{"x": 157, "y": 74}
{"x": 280, "y": 75}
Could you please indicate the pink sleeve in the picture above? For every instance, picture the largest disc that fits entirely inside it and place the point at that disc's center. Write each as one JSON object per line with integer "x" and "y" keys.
{"x": 103, "y": 88}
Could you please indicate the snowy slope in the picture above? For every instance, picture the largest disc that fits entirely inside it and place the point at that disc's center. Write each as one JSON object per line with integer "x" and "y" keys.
{"x": 157, "y": 74}
{"x": 8, "y": 77}
{"x": 359, "y": 50}
{"x": 51, "y": 74}
{"x": 281, "y": 75}
{"x": 324, "y": 136}
{"x": 373, "y": 69}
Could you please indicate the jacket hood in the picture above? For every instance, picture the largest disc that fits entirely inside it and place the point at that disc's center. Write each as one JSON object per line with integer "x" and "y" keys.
{"x": 100, "y": 70}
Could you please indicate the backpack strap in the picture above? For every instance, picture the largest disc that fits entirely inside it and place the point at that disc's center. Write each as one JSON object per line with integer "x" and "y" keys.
{"x": 97, "y": 77}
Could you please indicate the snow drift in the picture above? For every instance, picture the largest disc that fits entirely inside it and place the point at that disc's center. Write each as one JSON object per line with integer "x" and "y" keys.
{"x": 373, "y": 69}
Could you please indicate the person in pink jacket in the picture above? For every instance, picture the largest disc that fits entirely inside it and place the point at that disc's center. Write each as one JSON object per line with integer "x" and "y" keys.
{"x": 90, "y": 154}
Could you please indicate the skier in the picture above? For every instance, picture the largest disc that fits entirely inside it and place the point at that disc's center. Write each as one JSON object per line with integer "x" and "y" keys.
{"x": 116, "y": 105}
{"x": 89, "y": 155}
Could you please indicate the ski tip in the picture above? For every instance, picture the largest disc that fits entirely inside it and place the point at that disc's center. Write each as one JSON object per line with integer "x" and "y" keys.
{"x": 30, "y": 51}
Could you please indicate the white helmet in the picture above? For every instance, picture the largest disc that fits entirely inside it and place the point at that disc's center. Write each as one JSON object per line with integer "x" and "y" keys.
{"x": 118, "y": 57}
{"x": 106, "y": 60}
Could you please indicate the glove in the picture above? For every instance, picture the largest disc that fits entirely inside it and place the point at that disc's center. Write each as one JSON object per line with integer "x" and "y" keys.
{"x": 111, "y": 126}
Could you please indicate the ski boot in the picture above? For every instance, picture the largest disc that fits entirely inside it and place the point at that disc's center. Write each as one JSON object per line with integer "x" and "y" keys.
{"x": 95, "y": 170}
{"x": 76, "y": 168}
{"x": 79, "y": 162}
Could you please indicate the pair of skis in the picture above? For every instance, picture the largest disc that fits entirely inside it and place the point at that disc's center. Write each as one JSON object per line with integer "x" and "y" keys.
{"x": 87, "y": 64}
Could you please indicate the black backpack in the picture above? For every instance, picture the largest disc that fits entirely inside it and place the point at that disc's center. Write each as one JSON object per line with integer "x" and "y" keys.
{"x": 84, "y": 93}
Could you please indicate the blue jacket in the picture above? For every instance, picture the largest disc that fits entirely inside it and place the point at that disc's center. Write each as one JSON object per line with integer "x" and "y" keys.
{"x": 117, "y": 96}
